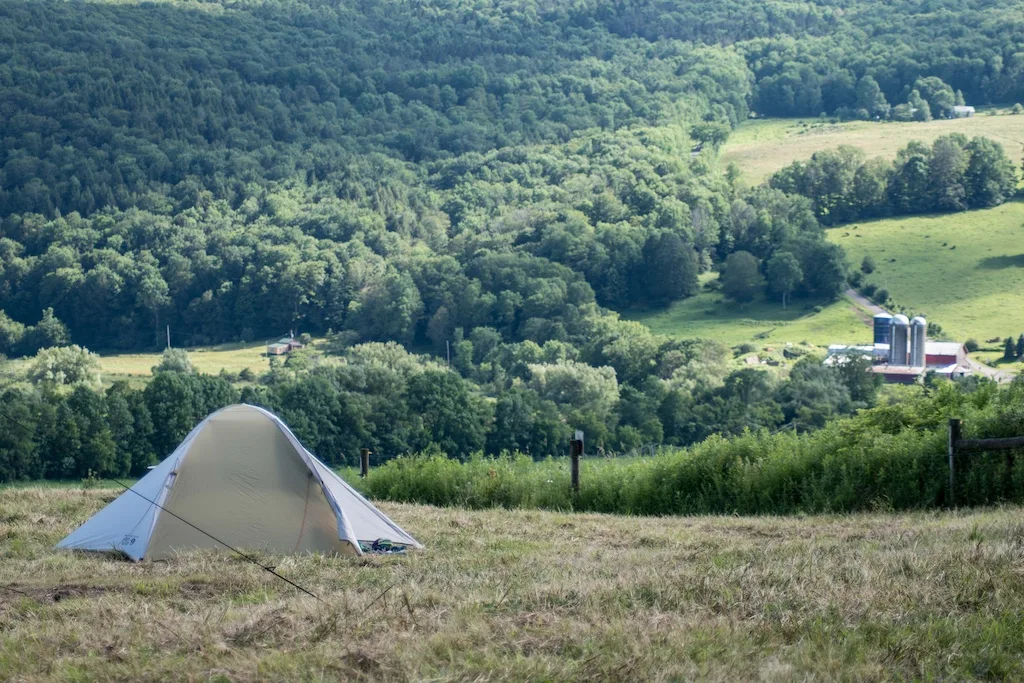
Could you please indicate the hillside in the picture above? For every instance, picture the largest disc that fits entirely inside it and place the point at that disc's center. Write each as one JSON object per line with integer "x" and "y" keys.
{"x": 962, "y": 271}
{"x": 529, "y": 595}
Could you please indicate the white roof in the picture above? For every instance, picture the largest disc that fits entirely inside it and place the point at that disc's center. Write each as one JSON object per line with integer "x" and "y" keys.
{"x": 963, "y": 108}
{"x": 934, "y": 348}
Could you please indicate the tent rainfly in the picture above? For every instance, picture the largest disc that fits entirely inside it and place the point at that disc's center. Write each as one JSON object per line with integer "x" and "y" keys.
{"x": 242, "y": 477}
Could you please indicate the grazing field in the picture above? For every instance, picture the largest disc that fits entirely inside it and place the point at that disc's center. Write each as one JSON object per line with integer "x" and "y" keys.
{"x": 515, "y": 595}
{"x": 963, "y": 270}
{"x": 764, "y": 146}
{"x": 710, "y": 315}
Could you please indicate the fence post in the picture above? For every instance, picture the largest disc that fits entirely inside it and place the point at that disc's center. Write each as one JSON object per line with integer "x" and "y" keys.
{"x": 364, "y": 461}
{"x": 575, "y": 451}
{"x": 955, "y": 430}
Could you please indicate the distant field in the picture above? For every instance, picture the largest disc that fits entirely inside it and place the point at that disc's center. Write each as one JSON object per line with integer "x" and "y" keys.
{"x": 212, "y": 359}
{"x": 762, "y": 147}
{"x": 964, "y": 270}
{"x": 528, "y": 595}
{"x": 710, "y": 316}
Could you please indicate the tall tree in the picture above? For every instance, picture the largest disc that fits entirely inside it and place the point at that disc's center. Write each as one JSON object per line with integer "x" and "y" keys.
{"x": 990, "y": 176}
{"x": 947, "y": 170}
{"x": 871, "y": 99}
{"x": 741, "y": 278}
{"x": 784, "y": 274}
{"x": 670, "y": 269}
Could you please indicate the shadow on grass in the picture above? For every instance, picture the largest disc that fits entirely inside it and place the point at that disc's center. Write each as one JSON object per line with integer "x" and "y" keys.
{"x": 1000, "y": 262}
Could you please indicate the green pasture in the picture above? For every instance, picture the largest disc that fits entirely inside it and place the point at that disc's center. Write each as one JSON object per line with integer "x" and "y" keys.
{"x": 709, "y": 315}
{"x": 962, "y": 270}
{"x": 761, "y": 147}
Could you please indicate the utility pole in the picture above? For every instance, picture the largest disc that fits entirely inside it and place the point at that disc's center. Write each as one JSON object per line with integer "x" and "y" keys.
{"x": 168, "y": 336}
{"x": 448, "y": 353}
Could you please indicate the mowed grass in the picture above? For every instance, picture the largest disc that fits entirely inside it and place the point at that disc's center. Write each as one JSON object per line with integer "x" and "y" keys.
{"x": 526, "y": 595}
{"x": 211, "y": 360}
{"x": 963, "y": 270}
{"x": 709, "y": 315}
{"x": 761, "y": 147}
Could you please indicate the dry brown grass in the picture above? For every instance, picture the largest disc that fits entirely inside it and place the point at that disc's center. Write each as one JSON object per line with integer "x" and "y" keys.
{"x": 501, "y": 595}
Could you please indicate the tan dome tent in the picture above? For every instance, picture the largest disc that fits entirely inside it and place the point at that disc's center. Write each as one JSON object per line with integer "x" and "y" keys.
{"x": 242, "y": 477}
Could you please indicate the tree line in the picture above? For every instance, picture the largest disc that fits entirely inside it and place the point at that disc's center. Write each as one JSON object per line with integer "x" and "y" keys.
{"x": 495, "y": 398}
{"x": 951, "y": 174}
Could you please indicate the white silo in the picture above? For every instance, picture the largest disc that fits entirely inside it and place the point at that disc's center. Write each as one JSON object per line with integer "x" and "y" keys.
{"x": 918, "y": 341}
{"x": 898, "y": 340}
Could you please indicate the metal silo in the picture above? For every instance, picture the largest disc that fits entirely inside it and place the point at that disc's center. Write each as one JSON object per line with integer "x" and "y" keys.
{"x": 918, "y": 341}
{"x": 883, "y": 321}
{"x": 898, "y": 338}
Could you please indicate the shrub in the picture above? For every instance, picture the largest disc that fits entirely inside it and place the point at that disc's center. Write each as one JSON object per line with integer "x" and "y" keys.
{"x": 867, "y": 266}
{"x": 1018, "y": 108}
{"x": 869, "y": 289}
{"x": 972, "y": 345}
{"x": 881, "y": 296}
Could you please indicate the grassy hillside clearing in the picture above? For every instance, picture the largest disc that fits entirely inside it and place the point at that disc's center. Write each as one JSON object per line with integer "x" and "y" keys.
{"x": 763, "y": 322}
{"x": 515, "y": 595}
{"x": 137, "y": 367}
{"x": 210, "y": 359}
{"x": 761, "y": 147}
{"x": 964, "y": 270}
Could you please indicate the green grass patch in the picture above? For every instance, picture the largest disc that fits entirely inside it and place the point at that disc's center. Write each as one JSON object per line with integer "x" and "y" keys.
{"x": 207, "y": 359}
{"x": 709, "y": 315}
{"x": 963, "y": 270}
{"x": 761, "y": 147}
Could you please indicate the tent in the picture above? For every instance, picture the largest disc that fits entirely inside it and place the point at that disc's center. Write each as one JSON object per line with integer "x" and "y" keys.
{"x": 243, "y": 478}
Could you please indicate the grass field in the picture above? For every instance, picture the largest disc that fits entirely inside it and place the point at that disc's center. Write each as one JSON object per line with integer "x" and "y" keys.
{"x": 523, "y": 595}
{"x": 211, "y": 359}
{"x": 964, "y": 270}
{"x": 710, "y": 316}
{"x": 761, "y": 147}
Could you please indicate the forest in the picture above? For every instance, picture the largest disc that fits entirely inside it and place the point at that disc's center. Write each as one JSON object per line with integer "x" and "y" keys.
{"x": 498, "y": 181}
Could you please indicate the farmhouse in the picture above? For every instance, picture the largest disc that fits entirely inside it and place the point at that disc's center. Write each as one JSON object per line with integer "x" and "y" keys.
{"x": 283, "y": 345}
{"x": 902, "y": 354}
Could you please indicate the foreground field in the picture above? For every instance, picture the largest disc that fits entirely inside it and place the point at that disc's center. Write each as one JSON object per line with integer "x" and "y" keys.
{"x": 762, "y": 147}
{"x": 530, "y": 595}
{"x": 965, "y": 270}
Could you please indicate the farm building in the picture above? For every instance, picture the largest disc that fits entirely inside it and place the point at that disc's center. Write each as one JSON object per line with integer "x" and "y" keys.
{"x": 961, "y": 111}
{"x": 283, "y": 345}
{"x": 902, "y": 354}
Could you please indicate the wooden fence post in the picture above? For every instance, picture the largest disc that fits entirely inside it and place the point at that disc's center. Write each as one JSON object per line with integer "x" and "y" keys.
{"x": 364, "y": 461}
{"x": 955, "y": 430}
{"x": 575, "y": 451}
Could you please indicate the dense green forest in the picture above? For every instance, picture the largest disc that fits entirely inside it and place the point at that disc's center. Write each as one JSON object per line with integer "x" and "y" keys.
{"x": 494, "y": 178}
